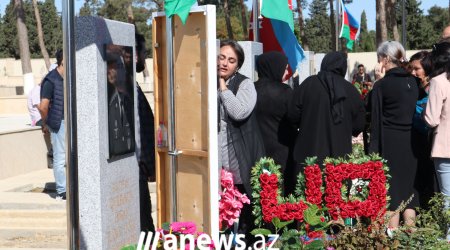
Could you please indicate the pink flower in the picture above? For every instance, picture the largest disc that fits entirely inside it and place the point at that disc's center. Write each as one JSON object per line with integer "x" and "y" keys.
{"x": 184, "y": 227}
{"x": 226, "y": 179}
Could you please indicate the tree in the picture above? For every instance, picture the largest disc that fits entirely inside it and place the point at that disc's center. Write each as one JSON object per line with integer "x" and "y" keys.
{"x": 244, "y": 18}
{"x": 51, "y": 26}
{"x": 381, "y": 21}
{"x": 2, "y": 37}
{"x": 419, "y": 31}
{"x": 391, "y": 19}
{"x": 300, "y": 5}
{"x": 23, "y": 46}
{"x": 439, "y": 19}
{"x": 317, "y": 28}
{"x": 366, "y": 39}
{"x": 41, "y": 35}
{"x": 332, "y": 26}
{"x": 228, "y": 19}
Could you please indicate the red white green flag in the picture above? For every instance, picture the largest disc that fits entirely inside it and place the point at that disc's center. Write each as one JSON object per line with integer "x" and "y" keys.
{"x": 350, "y": 27}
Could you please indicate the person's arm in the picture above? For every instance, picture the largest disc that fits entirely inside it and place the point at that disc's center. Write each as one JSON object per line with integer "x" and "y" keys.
{"x": 240, "y": 106}
{"x": 43, "y": 109}
{"x": 295, "y": 106}
{"x": 432, "y": 114}
{"x": 46, "y": 95}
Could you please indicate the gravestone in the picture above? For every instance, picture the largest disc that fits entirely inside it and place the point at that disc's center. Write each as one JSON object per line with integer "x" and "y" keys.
{"x": 251, "y": 52}
{"x": 108, "y": 187}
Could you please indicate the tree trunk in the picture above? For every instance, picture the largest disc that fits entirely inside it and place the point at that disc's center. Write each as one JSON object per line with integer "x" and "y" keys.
{"x": 332, "y": 27}
{"x": 130, "y": 14}
{"x": 302, "y": 26}
{"x": 41, "y": 35}
{"x": 392, "y": 19}
{"x": 244, "y": 20}
{"x": 227, "y": 19}
{"x": 24, "y": 48}
{"x": 131, "y": 20}
{"x": 381, "y": 32}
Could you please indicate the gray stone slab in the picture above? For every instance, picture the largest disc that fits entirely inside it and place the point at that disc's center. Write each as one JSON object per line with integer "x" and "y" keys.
{"x": 251, "y": 51}
{"x": 108, "y": 190}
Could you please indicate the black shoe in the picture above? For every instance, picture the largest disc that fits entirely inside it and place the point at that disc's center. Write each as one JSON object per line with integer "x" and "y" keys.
{"x": 61, "y": 196}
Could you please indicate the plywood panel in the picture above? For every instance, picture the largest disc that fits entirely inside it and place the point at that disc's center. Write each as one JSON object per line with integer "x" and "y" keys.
{"x": 191, "y": 85}
{"x": 192, "y": 186}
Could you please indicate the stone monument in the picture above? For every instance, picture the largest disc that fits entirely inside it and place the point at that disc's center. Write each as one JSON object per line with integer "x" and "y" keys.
{"x": 108, "y": 187}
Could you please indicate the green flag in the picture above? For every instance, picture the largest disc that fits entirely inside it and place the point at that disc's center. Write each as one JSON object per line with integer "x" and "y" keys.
{"x": 278, "y": 9}
{"x": 178, "y": 7}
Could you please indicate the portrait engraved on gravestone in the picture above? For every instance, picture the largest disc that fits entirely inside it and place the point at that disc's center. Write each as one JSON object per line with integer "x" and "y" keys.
{"x": 120, "y": 87}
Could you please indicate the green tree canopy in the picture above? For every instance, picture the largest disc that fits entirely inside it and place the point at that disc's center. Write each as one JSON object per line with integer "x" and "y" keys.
{"x": 366, "y": 39}
{"x": 51, "y": 26}
{"x": 317, "y": 28}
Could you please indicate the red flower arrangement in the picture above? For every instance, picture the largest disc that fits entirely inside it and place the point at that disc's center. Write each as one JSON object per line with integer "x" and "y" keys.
{"x": 373, "y": 206}
{"x": 313, "y": 191}
{"x": 269, "y": 202}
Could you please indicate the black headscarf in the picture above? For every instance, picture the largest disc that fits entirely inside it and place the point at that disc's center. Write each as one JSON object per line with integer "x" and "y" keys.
{"x": 272, "y": 65}
{"x": 331, "y": 75}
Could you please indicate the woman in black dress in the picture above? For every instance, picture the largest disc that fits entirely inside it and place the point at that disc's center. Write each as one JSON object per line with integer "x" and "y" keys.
{"x": 392, "y": 104}
{"x": 272, "y": 102}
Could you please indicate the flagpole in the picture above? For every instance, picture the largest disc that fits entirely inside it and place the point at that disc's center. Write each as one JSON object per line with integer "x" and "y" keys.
{"x": 337, "y": 23}
{"x": 73, "y": 222}
{"x": 255, "y": 20}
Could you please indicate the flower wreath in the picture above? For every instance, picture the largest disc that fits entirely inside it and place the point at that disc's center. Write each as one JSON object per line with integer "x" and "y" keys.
{"x": 269, "y": 204}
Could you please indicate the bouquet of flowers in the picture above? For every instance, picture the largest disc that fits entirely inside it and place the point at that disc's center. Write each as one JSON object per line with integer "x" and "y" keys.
{"x": 362, "y": 88}
{"x": 231, "y": 201}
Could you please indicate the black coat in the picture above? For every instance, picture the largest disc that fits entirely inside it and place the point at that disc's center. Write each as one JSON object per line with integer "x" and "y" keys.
{"x": 272, "y": 106}
{"x": 328, "y": 110}
{"x": 392, "y": 104}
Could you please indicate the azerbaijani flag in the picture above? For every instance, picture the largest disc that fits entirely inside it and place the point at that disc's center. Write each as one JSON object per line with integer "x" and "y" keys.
{"x": 276, "y": 32}
{"x": 350, "y": 27}
{"x": 178, "y": 7}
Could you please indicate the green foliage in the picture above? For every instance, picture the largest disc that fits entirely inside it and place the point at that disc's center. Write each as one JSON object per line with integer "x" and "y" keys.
{"x": 129, "y": 247}
{"x": 420, "y": 33}
{"x": 235, "y": 18}
{"x": 366, "y": 38}
{"x": 51, "y": 27}
{"x": 317, "y": 27}
{"x": 280, "y": 224}
{"x": 429, "y": 233}
{"x": 261, "y": 231}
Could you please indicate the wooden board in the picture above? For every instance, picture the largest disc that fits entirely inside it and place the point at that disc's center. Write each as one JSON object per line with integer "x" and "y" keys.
{"x": 195, "y": 97}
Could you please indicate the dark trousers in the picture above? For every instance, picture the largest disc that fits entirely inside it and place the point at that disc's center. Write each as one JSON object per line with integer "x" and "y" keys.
{"x": 246, "y": 219}
{"x": 145, "y": 206}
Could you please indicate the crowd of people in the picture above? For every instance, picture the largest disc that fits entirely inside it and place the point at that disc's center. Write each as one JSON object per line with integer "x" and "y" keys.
{"x": 405, "y": 115}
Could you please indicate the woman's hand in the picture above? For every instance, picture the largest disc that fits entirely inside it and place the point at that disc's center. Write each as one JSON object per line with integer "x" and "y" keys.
{"x": 379, "y": 71}
{"x": 222, "y": 84}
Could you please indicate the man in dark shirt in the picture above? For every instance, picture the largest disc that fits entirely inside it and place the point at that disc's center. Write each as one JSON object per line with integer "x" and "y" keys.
{"x": 52, "y": 113}
{"x": 362, "y": 77}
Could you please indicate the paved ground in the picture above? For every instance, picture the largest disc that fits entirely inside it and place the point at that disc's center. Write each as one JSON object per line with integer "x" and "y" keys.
{"x": 30, "y": 217}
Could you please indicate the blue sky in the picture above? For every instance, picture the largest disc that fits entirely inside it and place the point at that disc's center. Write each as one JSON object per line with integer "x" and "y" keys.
{"x": 354, "y": 8}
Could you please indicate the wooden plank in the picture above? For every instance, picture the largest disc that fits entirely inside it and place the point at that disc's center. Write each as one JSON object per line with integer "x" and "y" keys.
{"x": 191, "y": 84}
{"x": 192, "y": 186}
{"x": 159, "y": 78}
